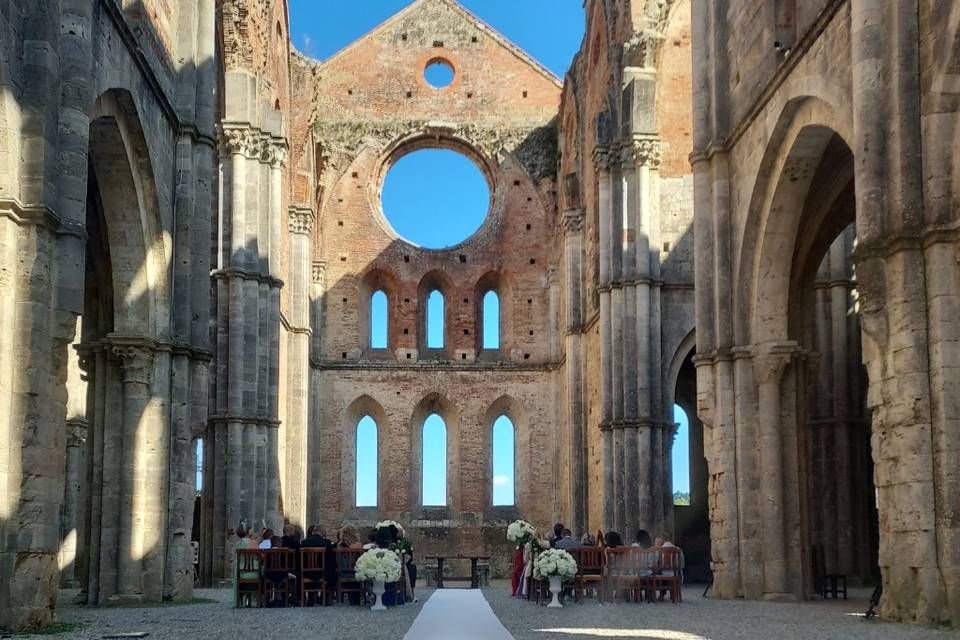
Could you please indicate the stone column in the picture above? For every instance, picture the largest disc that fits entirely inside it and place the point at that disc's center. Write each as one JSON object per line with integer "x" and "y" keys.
{"x": 315, "y": 486}
{"x": 601, "y": 162}
{"x": 573, "y": 320}
{"x": 839, "y": 293}
{"x": 298, "y": 372}
{"x": 769, "y": 363}
{"x": 137, "y": 363}
{"x": 645, "y": 156}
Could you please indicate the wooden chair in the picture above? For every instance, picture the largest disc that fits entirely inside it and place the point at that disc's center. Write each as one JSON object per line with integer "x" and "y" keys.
{"x": 249, "y": 576}
{"x": 647, "y": 562}
{"x": 621, "y": 573}
{"x": 670, "y": 573}
{"x": 590, "y": 565}
{"x": 278, "y": 575}
{"x": 313, "y": 574}
{"x": 827, "y": 584}
{"x": 346, "y": 575}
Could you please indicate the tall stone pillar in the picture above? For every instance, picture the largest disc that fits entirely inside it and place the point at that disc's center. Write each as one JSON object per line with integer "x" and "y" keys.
{"x": 645, "y": 156}
{"x": 573, "y": 321}
{"x": 137, "y": 364}
{"x": 295, "y": 429}
{"x": 601, "y": 162}
{"x": 770, "y": 362}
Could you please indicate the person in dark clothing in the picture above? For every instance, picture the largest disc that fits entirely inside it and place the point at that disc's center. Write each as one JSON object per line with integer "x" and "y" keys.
{"x": 643, "y": 539}
{"x": 317, "y": 539}
{"x": 557, "y": 534}
{"x": 290, "y": 538}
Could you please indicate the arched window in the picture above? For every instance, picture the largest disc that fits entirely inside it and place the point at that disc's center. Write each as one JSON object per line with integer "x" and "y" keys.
{"x": 503, "y": 462}
{"x": 366, "y": 462}
{"x": 434, "y": 461}
{"x": 435, "y": 328}
{"x": 378, "y": 320}
{"x": 199, "y": 481}
{"x": 491, "y": 320}
{"x": 681, "y": 458}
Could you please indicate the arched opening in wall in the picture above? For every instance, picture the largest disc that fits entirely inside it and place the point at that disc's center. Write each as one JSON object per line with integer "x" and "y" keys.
{"x": 491, "y": 321}
{"x": 435, "y": 198}
{"x": 434, "y": 292}
{"x": 198, "y": 484}
{"x": 435, "y": 320}
{"x": 681, "y": 457}
{"x": 377, "y": 310}
{"x": 691, "y": 517}
{"x": 504, "y": 459}
{"x": 842, "y": 518}
{"x": 812, "y": 424}
{"x": 434, "y": 462}
{"x": 366, "y": 460}
{"x": 119, "y": 538}
{"x": 378, "y": 320}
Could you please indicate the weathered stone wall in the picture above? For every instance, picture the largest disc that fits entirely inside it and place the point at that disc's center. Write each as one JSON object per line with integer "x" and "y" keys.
{"x": 624, "y": 139}
{"x": 792, "y": 143}
{"x": 126, "y": 93}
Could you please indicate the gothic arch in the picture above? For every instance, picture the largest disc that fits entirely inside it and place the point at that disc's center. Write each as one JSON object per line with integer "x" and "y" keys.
{"x": 435, "y": 280}
{"x": 435, "y": 403}
{"x": 364, "y": 405}
{"x": 506, "y": 405}
{"x": 373, "y": 280}
{"x": 775, "y": 215}
{"x": 499, "y": 283}
{"x": 139, "y": 255}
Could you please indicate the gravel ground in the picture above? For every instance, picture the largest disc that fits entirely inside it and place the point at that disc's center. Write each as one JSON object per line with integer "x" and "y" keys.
{"x": 698, "y": 618}
{"x": 213, "y": 621}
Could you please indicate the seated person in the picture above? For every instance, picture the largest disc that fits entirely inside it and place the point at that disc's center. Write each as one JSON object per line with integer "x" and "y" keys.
{"x": 266, "y": 539}
{"x": 643, "y": 539}
{"x": 566, "y": 541}
{"x": 662, "y": 543}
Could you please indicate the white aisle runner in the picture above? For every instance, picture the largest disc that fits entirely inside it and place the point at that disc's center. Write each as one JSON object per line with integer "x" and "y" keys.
{"x": 457, "y": 614}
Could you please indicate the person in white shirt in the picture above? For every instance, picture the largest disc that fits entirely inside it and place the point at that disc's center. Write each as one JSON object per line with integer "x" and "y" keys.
{"x": 266, "y": 539}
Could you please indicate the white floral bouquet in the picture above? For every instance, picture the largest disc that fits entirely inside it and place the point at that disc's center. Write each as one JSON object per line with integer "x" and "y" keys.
{"x": 383, "y": 524}
{"x": 521, "y": 531}
{"x": 378, "y": 564}
{"x": 554, "y": 562}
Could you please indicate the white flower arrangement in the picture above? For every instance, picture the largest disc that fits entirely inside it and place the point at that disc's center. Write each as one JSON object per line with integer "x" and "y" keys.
{"x": 554, "y": 562}
{"x": 378, "y": 564}
{"x": 520, "y": 531}
{"x": 383, "y": 524}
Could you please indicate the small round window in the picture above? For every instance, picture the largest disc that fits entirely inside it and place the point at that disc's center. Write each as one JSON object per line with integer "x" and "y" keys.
{"x": 439, "y": 73}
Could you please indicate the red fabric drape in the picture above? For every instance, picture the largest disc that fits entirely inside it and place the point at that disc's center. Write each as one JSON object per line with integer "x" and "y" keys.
{"x": 517, "y": 570}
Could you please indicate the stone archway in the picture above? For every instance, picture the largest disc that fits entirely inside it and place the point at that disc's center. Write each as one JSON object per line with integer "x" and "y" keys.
{"x": 126, "y": 551}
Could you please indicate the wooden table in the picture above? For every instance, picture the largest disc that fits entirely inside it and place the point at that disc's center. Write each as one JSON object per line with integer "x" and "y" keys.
{"x": 474, "y": 577}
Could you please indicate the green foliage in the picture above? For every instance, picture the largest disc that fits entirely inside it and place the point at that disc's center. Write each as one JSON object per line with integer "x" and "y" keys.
{"x": 681, "y": 498}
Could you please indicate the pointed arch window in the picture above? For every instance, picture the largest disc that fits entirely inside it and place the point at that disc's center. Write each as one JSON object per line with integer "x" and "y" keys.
{"x": 366, "y": 463}
{"x": 435, "y": 323}
{"x": 434, "y": 462}
{"x": 681, "y": 457}
{"x": 379, "y": 313}
{"x": 503, "y": 462}
{"x": 491, "y": 320}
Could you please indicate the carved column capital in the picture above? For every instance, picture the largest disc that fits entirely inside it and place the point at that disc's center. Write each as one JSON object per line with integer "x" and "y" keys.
{"x": 573, "y": 220}
{"x": 76, "y": 431}
{"x": 602, "y": 158}
{"x": 275, "y": 154}
{"x": 319, "y": 272}
{"x": 240, "y": 141}
{"x": 137, "y": 363}
{"x": 300, "y": 220}
{"x": 770, "y": 361}
{"x": 645, "y": 152}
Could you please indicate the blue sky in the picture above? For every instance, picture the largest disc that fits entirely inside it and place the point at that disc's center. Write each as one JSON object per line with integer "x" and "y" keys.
{"x": 681, "y": 452}
{"x": 552, "y": 37}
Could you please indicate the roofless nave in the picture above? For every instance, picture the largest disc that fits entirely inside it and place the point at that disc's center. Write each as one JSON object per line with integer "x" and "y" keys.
{"x": 745, "y": 208}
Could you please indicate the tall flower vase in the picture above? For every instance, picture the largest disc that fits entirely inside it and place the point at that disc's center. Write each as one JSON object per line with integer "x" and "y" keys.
{"x": 378, "y": 589}
{"x": 555, "y": 587}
